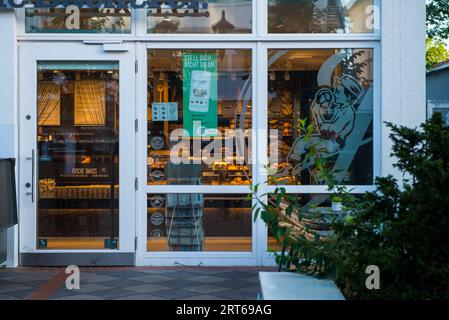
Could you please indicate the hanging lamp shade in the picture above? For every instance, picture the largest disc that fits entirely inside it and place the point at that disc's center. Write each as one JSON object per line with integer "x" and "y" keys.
{"x": 223, "y": 26}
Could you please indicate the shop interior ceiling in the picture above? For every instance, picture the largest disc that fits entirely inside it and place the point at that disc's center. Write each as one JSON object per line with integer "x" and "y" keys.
{"x": 293, "y": 60}
{"x": 301, "y": 60}
{"x": 171, "y": 60}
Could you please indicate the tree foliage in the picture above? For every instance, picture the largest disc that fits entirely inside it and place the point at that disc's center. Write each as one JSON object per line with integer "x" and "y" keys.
{"x": 438, "y": 19}
{"x": 403, "y": 229}
{"x": 436, "y": 53}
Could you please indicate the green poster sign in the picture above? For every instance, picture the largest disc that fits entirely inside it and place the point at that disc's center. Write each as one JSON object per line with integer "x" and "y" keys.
{"x": 200, "y": 93}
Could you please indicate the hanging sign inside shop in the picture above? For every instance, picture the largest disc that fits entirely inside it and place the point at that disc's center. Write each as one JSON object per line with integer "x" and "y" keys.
{"x": 164, "y": 111}
{"x": 109, "y": 4}
{"x": 200, "y": 93}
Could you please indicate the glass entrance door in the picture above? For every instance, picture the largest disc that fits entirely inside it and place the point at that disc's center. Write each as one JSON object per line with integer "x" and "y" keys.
{"x": 78, "y": 157}
{"x": 78, "y": 142}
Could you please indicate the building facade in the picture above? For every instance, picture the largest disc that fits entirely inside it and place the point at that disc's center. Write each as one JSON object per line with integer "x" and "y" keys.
{"x": 437, "y": 95}
{"x": 138, "y": 131}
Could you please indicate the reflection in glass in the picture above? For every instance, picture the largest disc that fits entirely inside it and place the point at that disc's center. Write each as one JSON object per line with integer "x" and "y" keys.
{"x": 219, "y": 16}
{"x": 75, "y": 20}
{"x": 320, "y": 16}
{"x": 332, "y": 90}
{"x": 318, "y": 212}
{"x": 200, "y": 116}
{"x": 78, "y": 155}
{"x": 198, "y": 222}
{"x": 317, "y": 205}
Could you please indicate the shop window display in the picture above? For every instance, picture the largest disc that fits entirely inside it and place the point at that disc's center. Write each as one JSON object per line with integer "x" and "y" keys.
{"x": 78, "y": 155}
{"x": 333, "y": 90}
{"x": 199, "y": 117}
{"x": 199, "y": 222}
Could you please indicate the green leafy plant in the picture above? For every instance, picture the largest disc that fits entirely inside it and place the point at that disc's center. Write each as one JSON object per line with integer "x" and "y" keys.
{"x": 336, "y": 198}
{"x": 303, "y": 249}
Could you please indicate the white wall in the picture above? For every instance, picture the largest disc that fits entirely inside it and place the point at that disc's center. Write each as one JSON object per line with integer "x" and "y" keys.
{"x": 403, "y": 69}
{"x": 8, "y": 106}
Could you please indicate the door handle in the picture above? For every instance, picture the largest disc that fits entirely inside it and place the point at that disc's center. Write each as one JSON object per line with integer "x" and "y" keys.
{"x": 28, "y": 185}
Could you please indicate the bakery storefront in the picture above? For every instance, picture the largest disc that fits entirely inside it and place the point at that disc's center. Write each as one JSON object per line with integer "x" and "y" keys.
{"x": 142, "y": 125}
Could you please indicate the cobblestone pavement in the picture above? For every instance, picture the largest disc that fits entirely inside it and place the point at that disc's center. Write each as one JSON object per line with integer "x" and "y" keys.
{"x": 138, "y": 283}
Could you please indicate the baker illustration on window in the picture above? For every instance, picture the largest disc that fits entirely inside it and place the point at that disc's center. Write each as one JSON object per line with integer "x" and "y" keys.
{"x": 334, "y": 113}
{"x": 341, "y": 114}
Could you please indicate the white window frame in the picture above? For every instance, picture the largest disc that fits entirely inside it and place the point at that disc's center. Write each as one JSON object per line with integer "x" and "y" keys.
{"x": 267, "y": 257}
{"x": 259, "y": 32}
{"x": 65, "y": 36}
{"x": 263, "y": 30}
{"x": 145, "y": 257}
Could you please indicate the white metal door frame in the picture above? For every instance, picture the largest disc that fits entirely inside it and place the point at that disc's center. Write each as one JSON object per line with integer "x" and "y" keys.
{"x": 29, "y": 54}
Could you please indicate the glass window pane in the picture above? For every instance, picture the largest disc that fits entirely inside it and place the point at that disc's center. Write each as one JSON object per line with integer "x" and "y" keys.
{"x": 213, "y": 16}
{"x": 305, "y": 203}
{"x": 75, "y": 20}
{"x": 333, "y": 90}
{"x": 199, "y": 117}
{"x": 199, "y": 222}
{"x": 320, "y": 16}
{"x": 78, "y": 155}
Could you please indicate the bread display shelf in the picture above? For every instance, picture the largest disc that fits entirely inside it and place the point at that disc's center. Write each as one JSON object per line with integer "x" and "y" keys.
{"x": 75, "y": 212}
{"x": 80, "y": 192}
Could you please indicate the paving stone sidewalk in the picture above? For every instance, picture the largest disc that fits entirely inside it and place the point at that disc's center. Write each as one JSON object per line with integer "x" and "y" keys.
{"x": 139, "y": 283}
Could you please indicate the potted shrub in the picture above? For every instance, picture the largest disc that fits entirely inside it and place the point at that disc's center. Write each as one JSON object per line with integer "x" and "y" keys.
{"x": 337, "y": 203}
